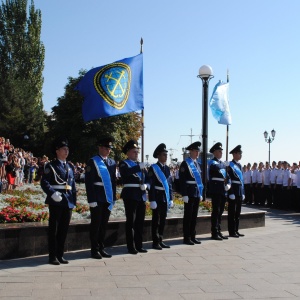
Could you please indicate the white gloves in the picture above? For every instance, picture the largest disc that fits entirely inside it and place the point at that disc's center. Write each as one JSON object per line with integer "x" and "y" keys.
{"x": 201, "y": 198}
{"x": 142, "y": 165}
{"x": 231, "y": 197}
{"x": 171, "y": 203}
{"x": 153, "y": 204}
{"x": 243, "y": 197}
{"x": 185, "y": 199}
{"x": 56, "y": 196}
{"x": 227, "y": 187}
{"x": 226, "y": 163}
{"x": 143, "y": 187}
{"x": 93, "y": 204}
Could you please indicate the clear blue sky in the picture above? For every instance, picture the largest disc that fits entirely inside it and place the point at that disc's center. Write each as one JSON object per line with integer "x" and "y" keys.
{"x": 258, "y": 41}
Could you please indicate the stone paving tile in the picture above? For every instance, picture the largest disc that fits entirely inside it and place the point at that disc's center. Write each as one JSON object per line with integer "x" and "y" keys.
{"x": 195, "y": 296}
{"x": 133, "y": 292}
{"x": 265, "y": 294}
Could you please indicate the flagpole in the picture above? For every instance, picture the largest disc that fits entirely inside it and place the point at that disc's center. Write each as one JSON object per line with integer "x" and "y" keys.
{"x": 142, "y": 133}
{"x": 227, "y": 126}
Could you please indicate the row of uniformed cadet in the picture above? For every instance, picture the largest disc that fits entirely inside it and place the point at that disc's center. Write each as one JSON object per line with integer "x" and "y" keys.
{"x": 58, "y": 183}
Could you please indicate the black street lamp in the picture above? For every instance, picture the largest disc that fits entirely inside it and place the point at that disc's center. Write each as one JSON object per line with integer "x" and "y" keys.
{"x": 205, "y": 73}
{"x": 269, "y": 140}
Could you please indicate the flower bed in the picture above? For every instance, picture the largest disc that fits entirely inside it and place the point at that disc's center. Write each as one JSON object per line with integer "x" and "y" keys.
{"x": 27, "y": 204}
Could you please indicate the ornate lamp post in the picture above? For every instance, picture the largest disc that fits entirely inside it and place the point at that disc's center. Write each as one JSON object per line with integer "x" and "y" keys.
{"x": 269, "y": 140}
{"x": 205, "y": 73}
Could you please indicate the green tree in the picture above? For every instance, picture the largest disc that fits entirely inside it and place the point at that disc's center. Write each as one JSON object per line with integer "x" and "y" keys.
{"x": 21, "y": 66}
{"x": 66, "y": 120}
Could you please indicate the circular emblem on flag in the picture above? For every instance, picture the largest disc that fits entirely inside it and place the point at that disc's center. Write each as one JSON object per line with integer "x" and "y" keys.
{"x": 112, "y": 82}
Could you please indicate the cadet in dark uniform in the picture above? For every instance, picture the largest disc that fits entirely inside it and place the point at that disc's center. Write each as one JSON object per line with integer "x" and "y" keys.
{"x": 236, "y": 193}
{"x": 100, "y": 183}
{"x": 59, "y": 184}
{"x": 191, "y": 188}
{"x": 160, "y": 195}
{"x": 217, "y": 188}
{"x": 135, "y": 182}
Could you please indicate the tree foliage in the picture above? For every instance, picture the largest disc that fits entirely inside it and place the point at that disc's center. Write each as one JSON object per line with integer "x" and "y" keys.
{"x": 66, "y": 120}
{"x": 21, "y": 66}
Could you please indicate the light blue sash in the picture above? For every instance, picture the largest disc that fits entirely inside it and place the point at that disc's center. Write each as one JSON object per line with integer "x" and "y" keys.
{"x": 163, "y": 180}
{"x": 237, "y": 172}
{"x": 131, "y": 164}
{"x": 105, "y": 176}
{"x": 196, "y": 174}
{"x": 222, "y": 171}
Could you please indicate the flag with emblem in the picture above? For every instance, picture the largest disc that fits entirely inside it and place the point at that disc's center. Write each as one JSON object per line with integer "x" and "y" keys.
{"x": 113, "y": 89}
{"x": 219, "y": 103}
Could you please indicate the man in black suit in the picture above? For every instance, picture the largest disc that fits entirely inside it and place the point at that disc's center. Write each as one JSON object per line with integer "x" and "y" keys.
{"x": 236, "y": 194}
{"x": 135, "y": 182}
{"x": 218, "y": 187}
{"x": 59, "y": 184}
{"x": 191, "y": 188}
{"x": 160, "y": 195}
{"x": 100, "y": 182}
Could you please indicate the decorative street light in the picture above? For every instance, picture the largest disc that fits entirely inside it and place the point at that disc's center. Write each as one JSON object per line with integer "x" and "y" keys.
{"x": 269, "y": 140}
{"x": 205, "y": 73}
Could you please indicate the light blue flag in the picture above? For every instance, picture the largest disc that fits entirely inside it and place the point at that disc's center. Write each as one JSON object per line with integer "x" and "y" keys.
{"x": 113, "y": 89}
{"x": 219, "y": 103}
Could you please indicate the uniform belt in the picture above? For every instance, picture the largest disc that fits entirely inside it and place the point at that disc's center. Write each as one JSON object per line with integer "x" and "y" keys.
{"x": 217, "y": 179}
{"x": 236, "y": 181}
{"x": 159, "y": 188}
{"x": 191, "y": 182}
{"x": 131, "y": 185}
{"x": 62, "y": 187}
{"x": 99, "y": 183}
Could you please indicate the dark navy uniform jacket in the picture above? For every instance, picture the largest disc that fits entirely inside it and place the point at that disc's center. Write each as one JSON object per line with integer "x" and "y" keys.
{"x": 236, "y": 188}
{"x": 96, "y": 193}
{"x": 129, "y": 176}
{"x": 54, "y": 175}
{"x": 216, "y": 179}
{"x": 159, "y": 195}
{"x": 185, "y": 176}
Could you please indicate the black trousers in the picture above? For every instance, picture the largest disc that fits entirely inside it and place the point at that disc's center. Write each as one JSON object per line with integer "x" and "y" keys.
{"x": 99, "y": 219}
{"x": 135, "y": 216}
{"x": 278, "y": 196}
{"x": 248, "y": 193}
{"x": 59, "y": 220}
{"x": 159, "y": 216}
{"x": 218, "y": 204}
{"x": 268, "y": 195}
{"x": 190, "y": 218}
{"x": 286, "y": 198}
{"x": 234, "y": 211}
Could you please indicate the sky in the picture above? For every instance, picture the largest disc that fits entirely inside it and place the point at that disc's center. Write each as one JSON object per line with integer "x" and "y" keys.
{"x": 257, "y": 41}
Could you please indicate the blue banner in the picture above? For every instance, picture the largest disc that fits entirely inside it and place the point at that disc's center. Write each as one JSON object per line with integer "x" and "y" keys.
{"x": 219, "y": 103}
{"x": 113, "y": 89}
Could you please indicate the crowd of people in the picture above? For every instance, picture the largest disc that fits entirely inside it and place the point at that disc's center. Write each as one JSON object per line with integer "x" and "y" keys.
{"x": 275, "y": 186}
{"x": 18, "y": 167}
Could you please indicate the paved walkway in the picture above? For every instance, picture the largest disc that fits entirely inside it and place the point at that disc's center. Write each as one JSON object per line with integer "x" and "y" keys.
{"x": 265, "y": 264}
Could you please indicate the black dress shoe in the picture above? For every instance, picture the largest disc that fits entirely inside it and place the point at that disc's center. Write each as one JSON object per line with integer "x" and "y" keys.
{"x": 141, "y": 250}
{"x": 163, "y": 245}
{"x": 132, "y": 251}
{"x": 62, "y": 260}
{"x": 233, "y": 235}
{"x": 195, "y": 241}
{"x": 96, "y": 255}
{"x": 239, "y": 234}
{"x": 222, "y": 236}
{"x": 216, "y": 237}
{"x": 104, "y": 254}
{"x": 156, "y": 246}
{"x": 188, "y": 242}
{"x": 53, "y": 261}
